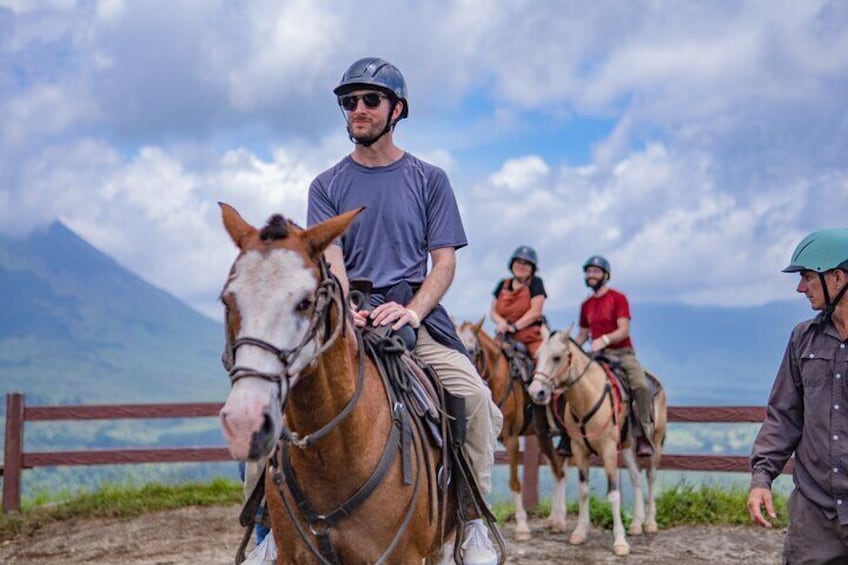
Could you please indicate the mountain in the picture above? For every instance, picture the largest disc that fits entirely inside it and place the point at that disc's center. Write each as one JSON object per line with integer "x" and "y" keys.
{"x": 707, "y": 355}
{"x": 716, "y": 356}
{"x": 78, "y": 328}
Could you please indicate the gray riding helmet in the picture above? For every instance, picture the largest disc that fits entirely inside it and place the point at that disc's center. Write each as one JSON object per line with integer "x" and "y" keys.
{"x": 526, "y": 253}
{"x": 376, "y": 73}
{"x": 597, "y": 261}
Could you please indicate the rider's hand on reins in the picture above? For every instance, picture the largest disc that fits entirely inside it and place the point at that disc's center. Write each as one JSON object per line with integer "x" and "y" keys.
{"x": 360, "y": 317}
{"x": 395, "y": 314}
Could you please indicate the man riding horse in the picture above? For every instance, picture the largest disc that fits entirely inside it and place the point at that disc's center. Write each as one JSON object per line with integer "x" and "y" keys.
{"x": 410, "y": 216}
{"x": 605, "y": 317}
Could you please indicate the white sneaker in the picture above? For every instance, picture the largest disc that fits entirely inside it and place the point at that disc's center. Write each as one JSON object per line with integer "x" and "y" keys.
{"x": 478, "y": 549}
{"x": 263, "y": 554}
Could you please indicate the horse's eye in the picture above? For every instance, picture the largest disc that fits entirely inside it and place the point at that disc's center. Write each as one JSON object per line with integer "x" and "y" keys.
{"x": 304, "y": 305}
{"x": 556, "y": 358}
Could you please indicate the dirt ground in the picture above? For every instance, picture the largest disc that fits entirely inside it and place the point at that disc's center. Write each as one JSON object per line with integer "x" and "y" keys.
{"x": 209, "y": 535}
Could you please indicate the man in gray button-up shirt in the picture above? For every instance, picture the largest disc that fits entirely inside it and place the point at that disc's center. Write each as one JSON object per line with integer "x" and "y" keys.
{"x": 807, "y": 412}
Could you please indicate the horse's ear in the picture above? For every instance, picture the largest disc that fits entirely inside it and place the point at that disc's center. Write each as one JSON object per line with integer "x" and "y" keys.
{"x": 240, "y": 231}
{"x": 319, "y": 236}
{"x": 479, "y": 325}
{"x": 567, "y": 331}
{"x": 546, "y": 332}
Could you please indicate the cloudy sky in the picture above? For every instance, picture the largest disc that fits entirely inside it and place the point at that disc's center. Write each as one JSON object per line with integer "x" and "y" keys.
{"x": 692, "y": 143}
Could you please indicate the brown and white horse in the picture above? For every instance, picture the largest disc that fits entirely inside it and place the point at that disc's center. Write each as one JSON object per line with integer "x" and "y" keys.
{"x": 511, "y": 397}
{"x": 299, "y": 372}
{"x": 594, "y": 417}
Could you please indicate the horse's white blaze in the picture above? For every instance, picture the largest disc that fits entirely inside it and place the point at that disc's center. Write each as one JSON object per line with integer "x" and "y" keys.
{"x": 267, "y": 289}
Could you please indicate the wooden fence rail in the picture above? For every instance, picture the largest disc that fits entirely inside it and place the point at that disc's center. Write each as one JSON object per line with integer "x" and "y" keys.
{"x": 17, "y": 414}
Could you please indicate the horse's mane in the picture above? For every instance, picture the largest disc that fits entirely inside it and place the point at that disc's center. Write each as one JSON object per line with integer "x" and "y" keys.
{"x": 572, "y": 340}
{"x": 277, "y": 228}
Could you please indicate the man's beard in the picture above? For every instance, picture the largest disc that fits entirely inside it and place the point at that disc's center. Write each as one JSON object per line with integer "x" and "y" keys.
{"x": 370, "y": 136}
{"x": 594, "y": 284}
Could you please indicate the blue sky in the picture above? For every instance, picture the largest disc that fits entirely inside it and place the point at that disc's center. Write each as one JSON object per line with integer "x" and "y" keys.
{"x": 692, "y": 143}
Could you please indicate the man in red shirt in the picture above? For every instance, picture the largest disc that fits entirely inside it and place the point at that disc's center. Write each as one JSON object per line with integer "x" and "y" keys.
{"x": 605, "y": 316}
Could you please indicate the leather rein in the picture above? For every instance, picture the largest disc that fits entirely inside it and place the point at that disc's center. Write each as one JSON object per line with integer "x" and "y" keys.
{"x": 557, "y": 388}
{"x": 328, "y": 294}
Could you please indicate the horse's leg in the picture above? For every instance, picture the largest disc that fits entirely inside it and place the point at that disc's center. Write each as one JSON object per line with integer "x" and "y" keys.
{"x": 580, "y": 532}
{"x": 610, "y": 458}
{"x": 636, "y": 480}
{"x": 559, "y": 467}
{"x": 660, "y": 420}
{"x": 522, "y": 528}
{"x": 651, "y": 514}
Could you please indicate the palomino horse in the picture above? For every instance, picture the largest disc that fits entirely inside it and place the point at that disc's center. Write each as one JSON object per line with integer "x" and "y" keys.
{"x": 512, "y": 399}
{"x": 594, "y": 416}
{"x": 336, "y": 489}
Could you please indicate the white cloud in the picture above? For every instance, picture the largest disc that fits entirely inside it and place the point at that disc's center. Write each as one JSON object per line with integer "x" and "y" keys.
{"x": 723, "y": 139}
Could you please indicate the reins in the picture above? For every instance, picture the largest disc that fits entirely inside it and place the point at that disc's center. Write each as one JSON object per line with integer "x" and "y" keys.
{"x": 328, "y": 293}
{"x": 320, "y": 524}
{"x": 558, "y": 389}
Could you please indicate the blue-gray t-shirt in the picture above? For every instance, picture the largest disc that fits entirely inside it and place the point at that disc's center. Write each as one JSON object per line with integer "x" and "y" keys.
{"x": 410, "y": 210}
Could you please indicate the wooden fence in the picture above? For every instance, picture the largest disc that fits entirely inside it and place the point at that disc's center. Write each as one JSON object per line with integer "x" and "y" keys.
{"x": 17, "y": 414}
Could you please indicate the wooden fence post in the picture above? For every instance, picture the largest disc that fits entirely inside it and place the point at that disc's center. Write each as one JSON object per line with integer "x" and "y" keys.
{"x": 13, "y": 452}
{"x": 530, "y": 475}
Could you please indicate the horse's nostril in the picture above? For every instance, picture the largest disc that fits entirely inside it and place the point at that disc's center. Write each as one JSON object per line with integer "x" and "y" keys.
{"x": 267, "y": 423}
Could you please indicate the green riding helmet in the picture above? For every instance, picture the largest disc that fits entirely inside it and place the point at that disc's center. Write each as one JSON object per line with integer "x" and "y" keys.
{"x": 821, "y": 251}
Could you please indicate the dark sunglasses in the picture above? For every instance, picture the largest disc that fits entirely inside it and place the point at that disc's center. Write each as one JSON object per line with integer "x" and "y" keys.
{"x": 371, "y": 100}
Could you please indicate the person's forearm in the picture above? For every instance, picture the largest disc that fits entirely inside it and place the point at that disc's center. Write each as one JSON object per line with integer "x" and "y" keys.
{"x": 333, "y": 255}
{"x": 435, "y": 285}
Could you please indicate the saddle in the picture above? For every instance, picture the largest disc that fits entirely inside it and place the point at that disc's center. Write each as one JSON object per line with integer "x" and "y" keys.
{"x": 617, "y": 375}
{"x": 521, "y": 364}
{"x": 419, "y": 401}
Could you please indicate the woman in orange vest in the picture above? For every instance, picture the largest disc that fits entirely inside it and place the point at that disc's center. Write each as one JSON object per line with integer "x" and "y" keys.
{"x": 519, "y": 300}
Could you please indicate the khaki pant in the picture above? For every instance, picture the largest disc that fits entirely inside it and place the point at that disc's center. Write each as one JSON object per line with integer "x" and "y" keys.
{"x": 813, "y": 537}
{"x": 460, "y": 378}
{"x": 638, "y": 382}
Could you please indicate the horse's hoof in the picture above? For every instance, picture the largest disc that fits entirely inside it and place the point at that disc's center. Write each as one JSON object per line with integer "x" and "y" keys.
{"x": 576, "y": 539}
{"x": 557, "y": 526}
{"x": 522, "y": 535}
{"x": 651, "y": 528}
{"x": 635, "y": 530}
{"x": 621, "y": 549}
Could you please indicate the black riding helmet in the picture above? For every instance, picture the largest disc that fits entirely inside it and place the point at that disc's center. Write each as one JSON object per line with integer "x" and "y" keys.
{"x": 373, "y": 73}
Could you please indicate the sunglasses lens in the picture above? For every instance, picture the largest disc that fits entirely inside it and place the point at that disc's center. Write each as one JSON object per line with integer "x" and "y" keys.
{"x": 349, "y": 103}
{"x": 372, "y": 99}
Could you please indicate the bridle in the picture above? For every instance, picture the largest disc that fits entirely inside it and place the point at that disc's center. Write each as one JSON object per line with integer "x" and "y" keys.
{"x": 558, "y": 388}
{"x": 328, "y": 294}
{"x": 552, "y": 381}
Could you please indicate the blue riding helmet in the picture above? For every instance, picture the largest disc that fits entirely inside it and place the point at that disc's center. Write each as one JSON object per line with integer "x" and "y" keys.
{"x": 597, "y": 261}
{"x": 527, "y": 254}
{"x": 821, "y": 251}
{"x": 377, "y": 74}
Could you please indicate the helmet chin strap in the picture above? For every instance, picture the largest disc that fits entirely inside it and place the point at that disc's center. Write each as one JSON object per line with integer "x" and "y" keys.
{"x": 830, "y": 305}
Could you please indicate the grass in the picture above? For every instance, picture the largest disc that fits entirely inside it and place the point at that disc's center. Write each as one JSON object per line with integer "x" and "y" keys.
{"x": 116, "y": 501}
{"x": 683, "y": 504}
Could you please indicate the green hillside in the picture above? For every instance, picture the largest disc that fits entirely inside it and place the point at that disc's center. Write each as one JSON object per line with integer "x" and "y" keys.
{"x": 79, "y": 328}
